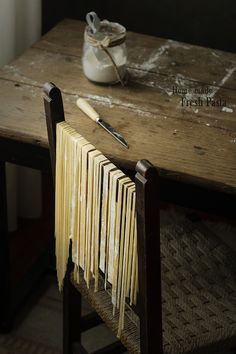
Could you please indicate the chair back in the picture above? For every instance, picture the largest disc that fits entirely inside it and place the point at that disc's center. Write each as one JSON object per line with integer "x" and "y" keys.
{"x": 113, "y": 223}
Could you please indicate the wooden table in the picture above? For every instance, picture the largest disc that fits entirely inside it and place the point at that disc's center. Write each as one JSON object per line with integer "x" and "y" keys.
{"x": 197, "y": 144}
{"x": 193, "y": 144}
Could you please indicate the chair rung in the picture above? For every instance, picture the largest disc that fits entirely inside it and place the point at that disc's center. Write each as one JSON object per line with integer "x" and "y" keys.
{"x": 90, "y": 320}
{"x": 114, "y": 348}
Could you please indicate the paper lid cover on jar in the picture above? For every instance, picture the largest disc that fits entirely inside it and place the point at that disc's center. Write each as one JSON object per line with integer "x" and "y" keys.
{"x": 103, "y": 33}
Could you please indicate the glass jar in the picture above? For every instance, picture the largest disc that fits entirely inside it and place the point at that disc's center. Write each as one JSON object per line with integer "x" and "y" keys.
{"x": 104, "y": 53}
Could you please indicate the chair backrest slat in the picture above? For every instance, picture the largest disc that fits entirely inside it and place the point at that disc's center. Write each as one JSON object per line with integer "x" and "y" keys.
{"x": 54, "y": 111}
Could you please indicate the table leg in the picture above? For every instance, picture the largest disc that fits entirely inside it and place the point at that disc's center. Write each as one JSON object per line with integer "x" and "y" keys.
{"x": 5, "y": 321}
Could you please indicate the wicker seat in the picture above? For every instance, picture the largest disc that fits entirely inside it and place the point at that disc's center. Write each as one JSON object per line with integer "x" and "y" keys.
{"x": 198, "y": 274}
{"x": 198, "y": 289}
{"x": 198, "y": 292}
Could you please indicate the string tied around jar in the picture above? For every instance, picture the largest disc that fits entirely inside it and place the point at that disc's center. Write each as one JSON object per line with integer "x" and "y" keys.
{"x": 104, "y": 35}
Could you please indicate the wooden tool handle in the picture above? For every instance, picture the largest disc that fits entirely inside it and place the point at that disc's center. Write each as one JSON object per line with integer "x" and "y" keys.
{"x": 87, "y": 109}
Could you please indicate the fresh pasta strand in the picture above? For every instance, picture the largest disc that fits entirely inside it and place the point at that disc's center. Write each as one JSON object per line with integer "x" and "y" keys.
{"x": 105, "y": 200}
{"x": 101, "y": 162}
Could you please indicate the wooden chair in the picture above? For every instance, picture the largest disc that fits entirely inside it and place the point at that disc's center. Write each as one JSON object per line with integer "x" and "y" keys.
{"x": 186, "y": 305}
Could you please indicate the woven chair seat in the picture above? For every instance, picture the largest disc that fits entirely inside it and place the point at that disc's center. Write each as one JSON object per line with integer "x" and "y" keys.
{"x": 198, "y": 291}
{"x": 198, "y": 288}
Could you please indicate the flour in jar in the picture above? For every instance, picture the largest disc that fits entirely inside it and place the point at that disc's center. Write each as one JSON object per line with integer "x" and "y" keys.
{"x": 97, "y": 66}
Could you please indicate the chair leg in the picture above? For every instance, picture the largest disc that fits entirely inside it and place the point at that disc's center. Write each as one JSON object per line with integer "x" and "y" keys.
{"x": 71, "y": 314}
{"x": 149, "y": 264}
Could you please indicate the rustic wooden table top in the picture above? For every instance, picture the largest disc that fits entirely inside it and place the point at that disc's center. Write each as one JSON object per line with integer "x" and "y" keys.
{"x": 192, "y": 143}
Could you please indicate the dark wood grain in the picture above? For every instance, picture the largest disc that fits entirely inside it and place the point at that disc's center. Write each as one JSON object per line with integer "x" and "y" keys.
{"x": 149, "y": 263}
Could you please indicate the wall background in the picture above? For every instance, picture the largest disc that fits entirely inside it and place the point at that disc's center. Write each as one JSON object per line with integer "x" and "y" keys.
{"x": 20, "y": 26}
{"x": 209, "y": 23}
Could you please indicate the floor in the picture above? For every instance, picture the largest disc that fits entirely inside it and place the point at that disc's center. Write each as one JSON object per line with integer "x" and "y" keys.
{"x": 38, "y": 329}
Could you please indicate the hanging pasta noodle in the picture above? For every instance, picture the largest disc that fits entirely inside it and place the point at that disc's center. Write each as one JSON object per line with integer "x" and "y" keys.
{"x": 95, "y": 209}
{"x": 63, "y": 195}
{"x": 102, "y": 161}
